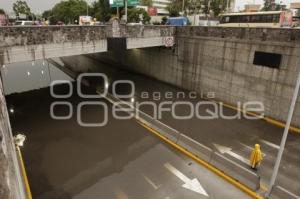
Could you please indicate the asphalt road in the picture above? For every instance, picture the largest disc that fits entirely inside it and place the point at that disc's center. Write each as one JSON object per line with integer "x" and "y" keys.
{"x": 121, "y": 160}
{"x": 237, "y": 135}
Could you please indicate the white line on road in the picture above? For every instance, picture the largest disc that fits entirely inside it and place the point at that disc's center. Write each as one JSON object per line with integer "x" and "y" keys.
{"x": 193, "y": 185}
{"x": 270, "y": 144}
{"x": 120, "y": 194}
{"x": 224, "y": 149}
{"x": 151, "y": 182}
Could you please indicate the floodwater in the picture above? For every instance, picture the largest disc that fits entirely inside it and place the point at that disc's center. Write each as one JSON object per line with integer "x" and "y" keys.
{"x": 121, "y": 160}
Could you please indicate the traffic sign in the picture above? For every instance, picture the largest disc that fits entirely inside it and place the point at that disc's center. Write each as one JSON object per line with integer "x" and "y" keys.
{"x": 116, "y": 3}
{"x": 120, "y": 3}
{"x": 133, "y": 2}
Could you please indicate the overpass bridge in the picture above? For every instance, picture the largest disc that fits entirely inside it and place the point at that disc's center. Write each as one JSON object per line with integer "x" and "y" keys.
{"x": 205, "y": 59}
{"x": 19, "y": 44}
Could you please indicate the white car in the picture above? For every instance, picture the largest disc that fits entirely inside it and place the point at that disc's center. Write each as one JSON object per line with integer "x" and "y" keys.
{"x": 24, "y": 23}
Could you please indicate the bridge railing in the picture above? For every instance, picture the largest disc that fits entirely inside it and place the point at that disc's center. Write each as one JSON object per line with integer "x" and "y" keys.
{"x": 147, "y": 31}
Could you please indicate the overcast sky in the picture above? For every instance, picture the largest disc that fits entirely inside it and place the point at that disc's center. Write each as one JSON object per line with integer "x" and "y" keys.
{"x": 38, "y": 6}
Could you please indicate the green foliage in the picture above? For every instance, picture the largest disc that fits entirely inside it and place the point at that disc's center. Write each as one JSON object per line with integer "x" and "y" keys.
{"x": 47, "y": 14}
{"x": 2, "y": 12}
{"x": 192, "y": 7}
{"x": 270, "y": 5}
{"x": 21, "y": 7}
{"x": 218, "y": 6}
{"x": 146, "y": 3}
{"x": 164, "y": 20}
{"x": 68, "y": 11}
{"x": 215, "y": 7}
{"x": 101, "y": 10}
{"x": 174, "y": 8}
{"x": 135, "y": 13}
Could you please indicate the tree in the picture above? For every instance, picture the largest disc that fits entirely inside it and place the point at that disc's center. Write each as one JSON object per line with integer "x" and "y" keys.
{"x": 68, "y": 11}
{"x": 148, "y": 3}
{"x": 136, "y": 15}
{"x": 47, "y": 14}
{"x": 164, "y": 21}
{"x": 174, "y": 8}
{"x": 218, "y": 6}
{"x": 2, "y": 12}
{"x": 101, "y": 10}
{"x": 270, "y": 5}
{"x": 21, "y": 7}
{"x": 193, "y": 7}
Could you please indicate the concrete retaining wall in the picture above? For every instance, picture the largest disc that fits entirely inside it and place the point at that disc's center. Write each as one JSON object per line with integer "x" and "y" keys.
{"x": 11, "y": 184}
{"x": 19, "y": 44}
{"x": 220, "y": 60}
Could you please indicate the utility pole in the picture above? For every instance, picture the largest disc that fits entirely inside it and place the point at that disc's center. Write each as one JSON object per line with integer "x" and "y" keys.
{"x": 227, "y": 6}
{"x": 118, "y": 15}
{"x": 284, "y": 137}
{"x": 87, "y": 9}
{"x": 183, "y": 6}
{"x": 126, "y": 11}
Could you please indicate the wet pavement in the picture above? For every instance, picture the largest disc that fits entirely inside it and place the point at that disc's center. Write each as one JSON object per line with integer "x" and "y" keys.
{"x": 238, "y": 135}
{"x": 121, "y": 160}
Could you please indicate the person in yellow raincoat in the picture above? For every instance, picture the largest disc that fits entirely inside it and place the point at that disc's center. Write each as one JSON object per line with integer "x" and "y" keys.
{"x": 256, "y": 157}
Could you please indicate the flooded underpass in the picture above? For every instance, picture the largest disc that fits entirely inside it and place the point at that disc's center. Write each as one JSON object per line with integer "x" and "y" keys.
{"x": 121, "y": 159}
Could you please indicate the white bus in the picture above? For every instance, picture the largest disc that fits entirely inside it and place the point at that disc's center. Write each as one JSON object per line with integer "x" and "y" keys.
{"x": 273, "y": 19}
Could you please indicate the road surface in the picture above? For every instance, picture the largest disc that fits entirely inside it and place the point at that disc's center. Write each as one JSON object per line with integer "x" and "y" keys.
{"x": 121, "y": 160}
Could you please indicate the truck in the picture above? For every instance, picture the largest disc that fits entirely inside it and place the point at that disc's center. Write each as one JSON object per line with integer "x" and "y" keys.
{"x": 177, "y": 21}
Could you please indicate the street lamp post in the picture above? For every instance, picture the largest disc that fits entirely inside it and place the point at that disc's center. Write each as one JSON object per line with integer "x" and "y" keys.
{"x": 227, "y": 6}
{"x": 126, "y": 10}
{"x": 87, "y": 9}
{"x": 284, "y": 137}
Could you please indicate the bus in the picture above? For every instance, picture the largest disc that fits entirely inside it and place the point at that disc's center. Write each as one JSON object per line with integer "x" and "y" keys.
{"x": 269, "y": 19}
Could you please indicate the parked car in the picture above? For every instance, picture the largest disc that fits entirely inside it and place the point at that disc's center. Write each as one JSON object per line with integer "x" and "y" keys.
{"x": 25, "y": 23}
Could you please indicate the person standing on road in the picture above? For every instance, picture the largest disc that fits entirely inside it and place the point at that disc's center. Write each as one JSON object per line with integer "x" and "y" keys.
{"x": 256, "y": 157}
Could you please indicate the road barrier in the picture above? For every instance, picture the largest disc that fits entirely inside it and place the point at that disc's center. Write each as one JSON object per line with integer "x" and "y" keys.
{"x": 196, "y": 148}
{"x": 223, "y": 164}
{"x": 229, "y": 167}
{"x": 233, "y": 169}
{"x": 164, "y": 130}
{"x": 279, "y": 192}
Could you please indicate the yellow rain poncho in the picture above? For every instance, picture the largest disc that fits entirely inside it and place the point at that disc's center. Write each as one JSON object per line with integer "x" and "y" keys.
{"x": 256, "y": 157}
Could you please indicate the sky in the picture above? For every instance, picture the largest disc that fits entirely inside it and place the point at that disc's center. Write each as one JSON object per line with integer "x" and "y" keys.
{"x": 38, "y": 6}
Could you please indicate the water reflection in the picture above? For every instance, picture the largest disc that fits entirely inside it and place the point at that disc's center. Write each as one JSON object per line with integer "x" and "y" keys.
{"x": 26, "y": 76}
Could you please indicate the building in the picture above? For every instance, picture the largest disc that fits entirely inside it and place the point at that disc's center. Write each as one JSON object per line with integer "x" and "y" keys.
{"x": 161, "y": 6}
{"x": 3, "y": 20}
{"x": 231, "y": 5}
{"x": 295, "y": 5}
{"x": 252, "y": 7}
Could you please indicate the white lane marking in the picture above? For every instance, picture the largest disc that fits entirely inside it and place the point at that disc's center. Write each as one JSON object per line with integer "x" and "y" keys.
{"x": 117, "y": 103}
{"x": 270, "y": 144}
{"x": 228, "y": 150}
{"x": 151, "y": 182}
{"x": 250, "y": 148}
{"x": 120, "y": 194}
{"x": 193, "y": 185}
